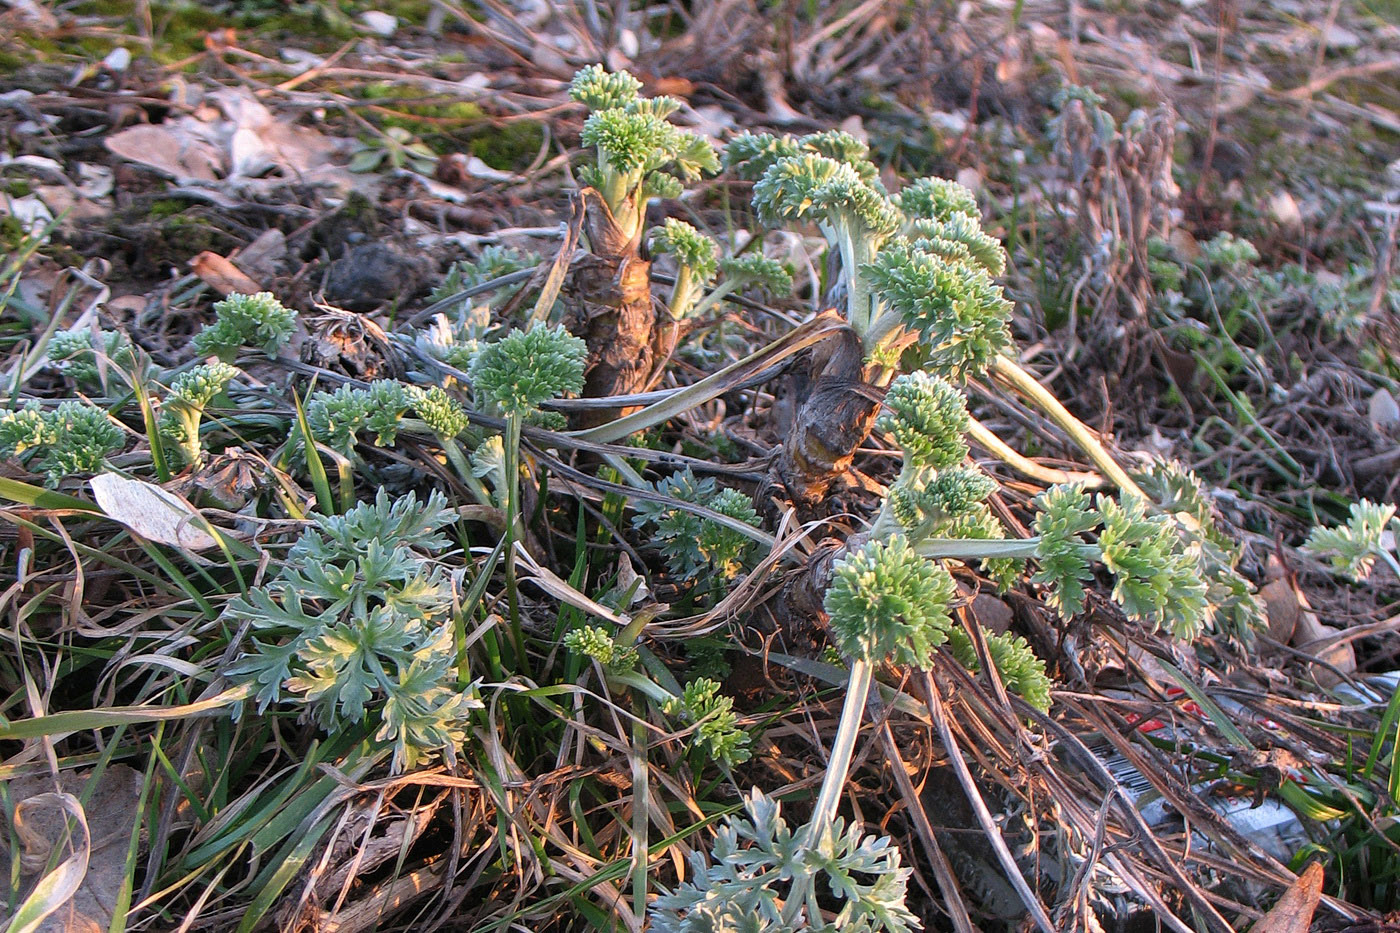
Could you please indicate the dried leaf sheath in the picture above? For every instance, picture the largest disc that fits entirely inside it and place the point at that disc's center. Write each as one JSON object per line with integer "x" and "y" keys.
{"x": 833, "y": 419}
{"x": 614, "y": 314}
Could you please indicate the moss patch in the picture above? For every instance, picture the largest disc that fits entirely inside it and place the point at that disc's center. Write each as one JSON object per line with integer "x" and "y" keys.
{"x": 513, "y": 145}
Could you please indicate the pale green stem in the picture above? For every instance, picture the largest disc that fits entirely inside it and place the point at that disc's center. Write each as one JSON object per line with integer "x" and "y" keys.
{"x": 838, "y": 768}
{"x": 189, "y": 417}
{"x": 977, "y": 548}
{"x": 854, "y": 251}
{"x": 616, "y": 186}
{"x": 1085, "y": 437}
{"x": 1007, "y": 454}
{"x": 884, "y": 326}
{"x": 842, "y": 747}
{"x": 885, "y": 524}
{"x": 720, "y": 292}
{"x": 683, "y": 293}
{"x": 512, "y": 457}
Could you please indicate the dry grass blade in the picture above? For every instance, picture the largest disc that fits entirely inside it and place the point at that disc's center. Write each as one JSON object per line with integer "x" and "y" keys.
{"x": 1034, "y": 908}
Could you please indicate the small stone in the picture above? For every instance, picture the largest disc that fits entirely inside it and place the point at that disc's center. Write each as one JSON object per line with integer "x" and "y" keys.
{"x": 119, "y": 59}
{"x": 970, "y": 178}
{"x": 1341, "y": 38}
{"x": 371, "y": 275}
{"x": 628, "y": 43}
{"x": 992, "y": 613}
{"x": 1285, "y": 210}
{"x": 380, "y": 23}
{"x": 1383, "y": 412}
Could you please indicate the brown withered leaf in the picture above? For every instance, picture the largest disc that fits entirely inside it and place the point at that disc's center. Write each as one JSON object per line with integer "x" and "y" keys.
{"x": 1294, "y": 911}
{"x": 222, "y": 275}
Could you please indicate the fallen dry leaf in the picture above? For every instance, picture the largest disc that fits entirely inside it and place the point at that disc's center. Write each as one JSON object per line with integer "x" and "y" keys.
{"x": 1311, "y": 636}
{"x": 41, "y": 824}
{"x": 151, "y": 512}
{"x": 1294, "y": 911}
{"x": 222, "y": 275}
{"x": 237, "y": 140}
{"x": 1283, "y": 609}
{"x": 184, "y": 149}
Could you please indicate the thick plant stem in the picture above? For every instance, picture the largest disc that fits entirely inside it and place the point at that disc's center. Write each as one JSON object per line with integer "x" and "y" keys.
{"x": 1086, "y": 438}
{"x": 838, "y": 767}
{"x": 842, "y": 748}
{"x": 616, "y": 316}
{"x": 832, "y": 420}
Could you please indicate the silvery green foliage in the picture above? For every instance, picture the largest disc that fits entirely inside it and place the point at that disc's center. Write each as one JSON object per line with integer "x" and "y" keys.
{"x": 1066, "y": 559}
{"x": 959, "y": 313}
{"x": 750, "y": 155}
{"x": 525, "y": 368}
{"x": 937, "y": 199}
{"x": 717, "y": 731}
{"x": 929, "y": 498}
{"x": 885, "y": 601}
{"x": 1180, "y": 493}
{"x": 357, "y": 626}
{"x": 697, "y": 260}
{"x": 1019, "y": 669}
{"x": 693, "y": 545}
{"x": 455, "y": 344}
{"x": 1227, "y": 251}
{"x": 495, "y": 261}
{"x": 960, "y": 238}
{"x": 692, "y": 249}
{"x": 72, "y": 353}
{"x": 246, "y": 321}
{"x": 843, "y": 147}
{"x": 640, "y": 154}
{"x": 74, "y": 437}
{"x": 442, "y": 413}
{"x": 919, "y": 265}
{"x": 183, "y": 409}
{"x": 1159, "y": 578}
{"x": 595, "y": 643}
{"x": 753, "y": 270}
{"x": 763, "y": 877}
{"x": 338, "y": 418}
{"x": 928, "y": 418}
{"x": 935, "y": 496}
{"x": 596, "y": 89}
{"x": 949, "y": 503}
{"x": 1352, "y": 548}
{"x": 831, "y": 193}
{"x": 22, "y": 430}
